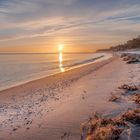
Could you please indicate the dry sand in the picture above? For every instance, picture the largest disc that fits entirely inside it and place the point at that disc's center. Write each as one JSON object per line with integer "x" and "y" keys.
{"x": 53, "y": 108}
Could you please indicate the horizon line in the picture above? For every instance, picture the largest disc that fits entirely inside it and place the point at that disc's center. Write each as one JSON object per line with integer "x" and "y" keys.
{"x": 5, "y": 53}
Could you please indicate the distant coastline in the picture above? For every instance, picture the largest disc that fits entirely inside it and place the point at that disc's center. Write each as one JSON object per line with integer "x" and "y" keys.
{"x": 129, "y": 45}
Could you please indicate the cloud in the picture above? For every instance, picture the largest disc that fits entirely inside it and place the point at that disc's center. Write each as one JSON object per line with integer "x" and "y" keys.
{"x": 65, "y": 2}
{"x": 52, "y": 18}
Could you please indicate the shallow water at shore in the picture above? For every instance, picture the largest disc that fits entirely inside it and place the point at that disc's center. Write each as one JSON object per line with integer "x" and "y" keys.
{"x": 16, "y": 69}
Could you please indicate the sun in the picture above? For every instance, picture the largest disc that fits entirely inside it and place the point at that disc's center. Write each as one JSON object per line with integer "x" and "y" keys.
{"x": 60, "y": 47}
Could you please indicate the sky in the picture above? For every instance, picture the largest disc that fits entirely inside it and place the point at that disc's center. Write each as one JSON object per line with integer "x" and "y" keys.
{"x": 81, "y": 25}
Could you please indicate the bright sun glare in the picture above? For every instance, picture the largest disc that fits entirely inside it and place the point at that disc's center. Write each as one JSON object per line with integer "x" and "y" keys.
{"x": 61, "y": 46}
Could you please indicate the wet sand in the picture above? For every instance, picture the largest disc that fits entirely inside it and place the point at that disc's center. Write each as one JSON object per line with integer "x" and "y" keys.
{"x": 53, "y": 108}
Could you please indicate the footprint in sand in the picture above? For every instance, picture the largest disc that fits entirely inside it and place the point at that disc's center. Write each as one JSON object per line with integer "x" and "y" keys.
{"x": 65, "y": 136}
{"x": 83, "y": 95}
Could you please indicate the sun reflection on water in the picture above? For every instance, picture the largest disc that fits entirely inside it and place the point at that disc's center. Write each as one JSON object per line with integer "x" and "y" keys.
{"x": 61, "y": 58}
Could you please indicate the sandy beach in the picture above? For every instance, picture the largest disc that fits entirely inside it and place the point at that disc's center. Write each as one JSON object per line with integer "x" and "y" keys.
{"x": 54, "y": 107}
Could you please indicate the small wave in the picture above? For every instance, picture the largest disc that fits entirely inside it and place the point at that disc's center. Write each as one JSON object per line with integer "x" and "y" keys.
{"x": 84, "y": 62}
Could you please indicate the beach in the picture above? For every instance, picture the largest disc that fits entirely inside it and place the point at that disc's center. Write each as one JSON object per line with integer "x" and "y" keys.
{"x": 54, "y": 107}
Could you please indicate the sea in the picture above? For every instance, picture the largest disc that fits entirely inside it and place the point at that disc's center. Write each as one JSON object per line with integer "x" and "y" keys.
{"x": 16, "y": 69}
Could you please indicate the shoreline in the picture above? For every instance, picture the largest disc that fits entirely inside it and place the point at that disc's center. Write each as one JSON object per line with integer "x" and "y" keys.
{"x": 83, "y": 66}
{"x": 98, "y": 59}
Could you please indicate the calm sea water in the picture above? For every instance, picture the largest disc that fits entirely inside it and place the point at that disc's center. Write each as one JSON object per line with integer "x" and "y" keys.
{"x": 20, "y": 68}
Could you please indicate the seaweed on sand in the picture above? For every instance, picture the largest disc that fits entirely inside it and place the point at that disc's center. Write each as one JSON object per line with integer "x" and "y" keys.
{"x": 128, "y": 87}
{"x": 132, "y": 116}
{"x": 114, "y": 98}
{"x": 136, "y": 98}
{"x": 130, "y": 58}
{"x": 99, "y": 128}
